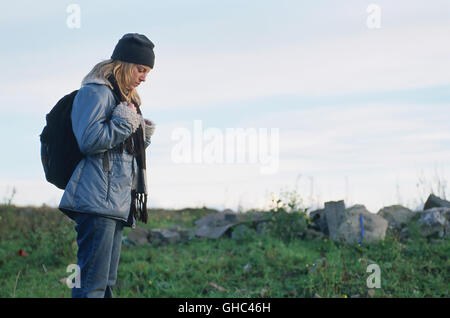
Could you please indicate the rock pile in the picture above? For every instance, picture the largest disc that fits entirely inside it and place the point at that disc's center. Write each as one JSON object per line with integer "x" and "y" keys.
{"x": 356, "y": 224}
{"x": 211, "y": 226}
{"x": 175, "y": 234}
{"x": 350, "y": 225}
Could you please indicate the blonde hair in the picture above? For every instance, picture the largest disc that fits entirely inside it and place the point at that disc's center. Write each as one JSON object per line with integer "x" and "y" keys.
{"x": 123, "y": 74}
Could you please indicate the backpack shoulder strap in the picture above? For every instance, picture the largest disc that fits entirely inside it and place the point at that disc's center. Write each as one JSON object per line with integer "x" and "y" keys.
{"x": 118, "y": 98}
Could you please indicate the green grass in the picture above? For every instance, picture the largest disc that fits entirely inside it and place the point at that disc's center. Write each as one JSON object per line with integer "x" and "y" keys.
{"x": 255, "y": 266}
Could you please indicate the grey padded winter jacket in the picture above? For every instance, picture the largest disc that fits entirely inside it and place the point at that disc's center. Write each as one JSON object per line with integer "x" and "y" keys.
{"x": 99, "y": 125}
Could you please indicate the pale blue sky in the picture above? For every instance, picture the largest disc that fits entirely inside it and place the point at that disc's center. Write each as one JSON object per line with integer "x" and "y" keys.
{"x": 362, "y": 112}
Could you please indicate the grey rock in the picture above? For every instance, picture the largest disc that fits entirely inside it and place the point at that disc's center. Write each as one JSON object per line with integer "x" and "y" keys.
{"x": 435, "y": 202}
{"x": 434, "y": 222}
{"x": 334, "y": 214}
{"x": 213, "y": 232}
{"x": 218, "y": 219}
{"x": 185, "y": 234}
{"x": 138, "y": 236}
{"x": 142, "y": 236}
{"x": 319, "y": 221}
{"x": 214, "y": 225}
{"x": 397, "y": 216}
{"x": 344, "y": 224}
{"x": 168, "y": 236}
{"x": 210, "y": 220}
{"x": 230, "y": 218}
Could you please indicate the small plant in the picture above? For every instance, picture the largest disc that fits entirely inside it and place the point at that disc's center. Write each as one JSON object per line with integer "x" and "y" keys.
{"x": 289, "y": 220}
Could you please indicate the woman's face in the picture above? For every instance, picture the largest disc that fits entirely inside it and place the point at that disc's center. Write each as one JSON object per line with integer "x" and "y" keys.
{"x": 139, "y": 74}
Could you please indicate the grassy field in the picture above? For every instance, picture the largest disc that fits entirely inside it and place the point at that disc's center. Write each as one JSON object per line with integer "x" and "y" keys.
{"x": 37, "y": 245}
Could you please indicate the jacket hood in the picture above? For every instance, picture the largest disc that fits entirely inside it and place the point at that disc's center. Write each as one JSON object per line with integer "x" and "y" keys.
{"x": 96, "y": 80}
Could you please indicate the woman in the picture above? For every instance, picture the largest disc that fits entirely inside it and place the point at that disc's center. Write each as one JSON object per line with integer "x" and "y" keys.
{"x": 107, "y": 190}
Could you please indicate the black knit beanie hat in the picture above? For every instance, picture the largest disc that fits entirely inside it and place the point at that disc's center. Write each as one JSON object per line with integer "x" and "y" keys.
{"x": 135, "y": 48}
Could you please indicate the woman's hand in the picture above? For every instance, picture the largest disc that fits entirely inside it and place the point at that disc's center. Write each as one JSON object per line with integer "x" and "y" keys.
{"x": 131, "y": 105}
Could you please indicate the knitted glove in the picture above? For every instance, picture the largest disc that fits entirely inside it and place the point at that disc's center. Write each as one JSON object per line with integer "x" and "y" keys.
{"x": 149, "y": 128}
{"x": 125, "y": 112}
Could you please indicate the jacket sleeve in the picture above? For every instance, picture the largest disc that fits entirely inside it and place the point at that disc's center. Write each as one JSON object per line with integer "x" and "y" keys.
{"x": 94, "y": 131}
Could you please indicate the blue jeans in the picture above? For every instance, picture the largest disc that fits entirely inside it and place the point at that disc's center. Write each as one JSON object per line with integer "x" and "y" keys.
{"x": 99, "y": 242}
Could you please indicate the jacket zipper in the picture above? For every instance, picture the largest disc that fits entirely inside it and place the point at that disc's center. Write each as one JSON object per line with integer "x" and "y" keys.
{"x": 108, "y": 185}
{"x": 107, "y": 168}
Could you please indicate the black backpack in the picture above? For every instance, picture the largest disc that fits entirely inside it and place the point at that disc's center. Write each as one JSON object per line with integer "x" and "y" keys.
{"x": 60, "y": 153}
